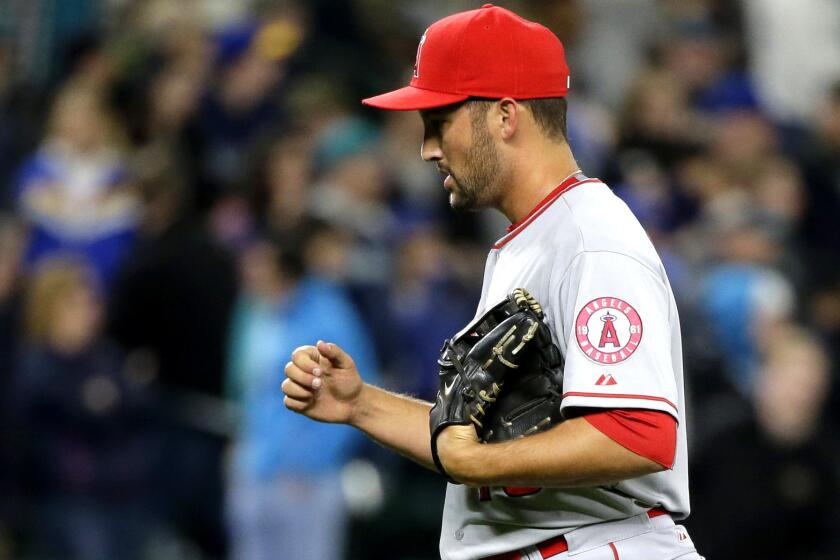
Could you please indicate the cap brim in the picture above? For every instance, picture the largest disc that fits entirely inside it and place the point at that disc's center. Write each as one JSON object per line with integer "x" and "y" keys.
{"x": 411, "y": 98}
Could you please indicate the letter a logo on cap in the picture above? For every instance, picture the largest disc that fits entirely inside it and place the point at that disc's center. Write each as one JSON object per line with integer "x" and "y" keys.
{"x": 419, "y": 52}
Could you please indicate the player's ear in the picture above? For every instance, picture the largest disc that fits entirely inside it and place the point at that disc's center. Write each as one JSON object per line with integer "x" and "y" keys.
{"x": 509, "y": 115}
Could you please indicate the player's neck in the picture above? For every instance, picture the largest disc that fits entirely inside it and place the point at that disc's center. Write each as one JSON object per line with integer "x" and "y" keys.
{"x": 536, "y": 174}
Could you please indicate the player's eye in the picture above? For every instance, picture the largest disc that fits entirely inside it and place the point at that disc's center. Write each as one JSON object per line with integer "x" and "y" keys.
{"x": 434, "y": 125}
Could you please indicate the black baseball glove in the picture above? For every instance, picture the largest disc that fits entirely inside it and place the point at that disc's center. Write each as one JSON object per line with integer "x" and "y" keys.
{"x": 502, "y": 373}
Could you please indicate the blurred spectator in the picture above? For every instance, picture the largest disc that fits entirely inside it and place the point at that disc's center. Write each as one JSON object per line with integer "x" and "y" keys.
{"x": 768, "y": 485}
{"x": 176, "y": 288}
{"x": 743, "y": 297}
{"x": 243, "y": 105}
{"x": 87, "y": 62}
{"x": 315, "y": 102}
{"x": 352, "y": 194}
{"x": 592, "y": 131}
{"x": 657, "y": 118}
{"x": 823, "y": 312}
{"x": 780, "y": 196}
{"x": 74, "y": 191}
{"x": 822, "y": 171}
{"x": 14, "y": 132}
{"x": 171, "y": 306}
{"x": 173, "y": 100}
{"x": 700, "y": 56}
{"x": 12, "y": 242}
{"x": 741, "y": 142}
{"x": 46, "y": 32}
{"x": 426, "y": 306}
{"x": 285, "y": 494}
{"x": 11, "y": 257}
{"x": 660, "y": 208}
{"x": 166, "y": 62}
{"x": 284, "y": 179}
{"x": 337, "y": 48}
{"x": 611, "y": 49}
{"x": 647, "y": 192}
{"x": 88, "y": 420}
{"x": 414, "y": 179}
{"x": 793, "y": 43}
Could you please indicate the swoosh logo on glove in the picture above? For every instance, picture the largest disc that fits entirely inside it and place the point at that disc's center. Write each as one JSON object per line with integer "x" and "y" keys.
{"x": 448, "y": 388}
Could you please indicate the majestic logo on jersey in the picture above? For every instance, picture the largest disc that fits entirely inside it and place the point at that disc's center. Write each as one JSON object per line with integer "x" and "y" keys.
{"x": 606, "y": 379}
{"x": 419, "y": 52}
{"x": 608, "y": 330}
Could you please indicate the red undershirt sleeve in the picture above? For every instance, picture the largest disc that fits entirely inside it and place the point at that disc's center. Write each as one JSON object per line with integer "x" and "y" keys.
{"x": 649, "y": 433}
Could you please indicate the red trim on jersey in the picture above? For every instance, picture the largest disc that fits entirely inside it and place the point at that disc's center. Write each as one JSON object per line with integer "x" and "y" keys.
{"x": 557, "y": 545}
{"x": 656, "y": 512}
{"x": 614, "y": 551}
{"x": 621, "y": 396}
{"x": 553, "y": 547}
{"x": 515, "y": 229}
{"x": 649, "y": 433}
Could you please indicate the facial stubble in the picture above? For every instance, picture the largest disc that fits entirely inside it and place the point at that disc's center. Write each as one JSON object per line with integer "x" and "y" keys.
{"x": 483, "y": 176}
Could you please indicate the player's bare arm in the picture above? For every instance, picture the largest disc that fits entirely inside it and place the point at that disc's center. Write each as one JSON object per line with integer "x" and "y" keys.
{"x": 322, "y": 383}
{"x": 572, "y": 454}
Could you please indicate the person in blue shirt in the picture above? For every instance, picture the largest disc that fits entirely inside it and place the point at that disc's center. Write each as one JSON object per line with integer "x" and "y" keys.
{"x": 75, "y": 192}
{"x": 284, "y": 492}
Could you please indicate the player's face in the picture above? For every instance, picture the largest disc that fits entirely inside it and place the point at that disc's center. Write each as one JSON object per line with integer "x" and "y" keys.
{"x": 458, "y": 140}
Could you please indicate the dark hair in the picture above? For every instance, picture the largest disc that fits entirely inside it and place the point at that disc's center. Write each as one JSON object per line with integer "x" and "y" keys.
{"x": 290, "y": 246}
{"x": 549, "y": 114}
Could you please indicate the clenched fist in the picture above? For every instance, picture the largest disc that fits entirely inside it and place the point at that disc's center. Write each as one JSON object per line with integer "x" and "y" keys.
{"x": 322, "y": 383}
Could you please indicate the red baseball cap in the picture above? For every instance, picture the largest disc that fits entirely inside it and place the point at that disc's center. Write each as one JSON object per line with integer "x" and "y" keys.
{"x": 489, "y": 52}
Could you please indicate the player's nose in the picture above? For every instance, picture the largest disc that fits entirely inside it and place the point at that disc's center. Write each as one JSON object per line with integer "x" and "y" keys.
{"x": 430, "y": 149}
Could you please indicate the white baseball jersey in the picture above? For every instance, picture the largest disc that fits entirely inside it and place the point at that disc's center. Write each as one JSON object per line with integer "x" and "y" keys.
{"x": 609, "y": 305}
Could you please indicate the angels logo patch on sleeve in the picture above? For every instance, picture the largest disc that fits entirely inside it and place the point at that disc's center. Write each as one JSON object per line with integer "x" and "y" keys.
{"x": 608, "y": 330}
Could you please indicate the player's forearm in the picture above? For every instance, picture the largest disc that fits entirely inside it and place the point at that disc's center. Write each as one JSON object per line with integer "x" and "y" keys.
{"x": 572, "y": 454}
{"x": 398, "y": 422}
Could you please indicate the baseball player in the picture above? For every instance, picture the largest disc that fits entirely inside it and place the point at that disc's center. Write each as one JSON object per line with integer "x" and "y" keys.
{"x": 610, "y": 479}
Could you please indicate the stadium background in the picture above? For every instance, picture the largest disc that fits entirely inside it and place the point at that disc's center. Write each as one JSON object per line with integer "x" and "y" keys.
{"x": 189, "y": 189}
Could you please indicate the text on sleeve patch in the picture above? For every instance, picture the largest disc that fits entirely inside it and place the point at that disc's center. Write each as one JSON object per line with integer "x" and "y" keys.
{"x": 608, "y": 330}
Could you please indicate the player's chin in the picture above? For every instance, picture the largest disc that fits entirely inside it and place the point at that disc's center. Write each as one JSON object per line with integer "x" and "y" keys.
{"x": 461, "y": 203}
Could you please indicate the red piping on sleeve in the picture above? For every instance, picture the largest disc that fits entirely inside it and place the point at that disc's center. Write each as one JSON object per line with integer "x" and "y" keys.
{"x": 620, "y": 396}
{"x": 649, "y": 433}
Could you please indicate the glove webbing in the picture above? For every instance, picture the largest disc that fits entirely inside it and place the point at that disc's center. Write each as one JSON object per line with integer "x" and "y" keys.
{"x": 496, "y": 388}
{"x": 496, "y": 316}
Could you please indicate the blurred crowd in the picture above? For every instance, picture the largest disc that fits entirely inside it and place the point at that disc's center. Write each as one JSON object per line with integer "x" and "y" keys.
{"x": 190, "y": 189}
